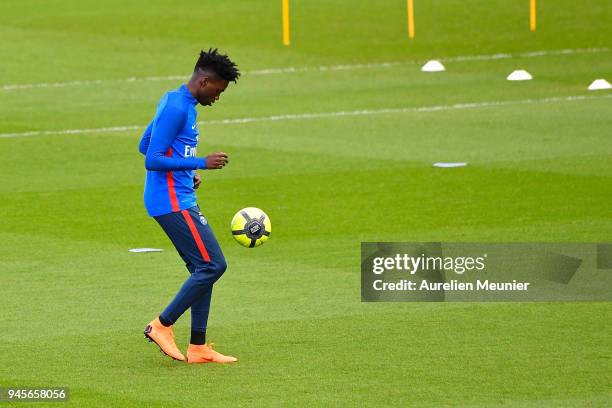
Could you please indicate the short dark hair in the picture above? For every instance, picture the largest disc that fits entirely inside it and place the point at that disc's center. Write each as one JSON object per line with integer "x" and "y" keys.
{"x": 220, "y": 64}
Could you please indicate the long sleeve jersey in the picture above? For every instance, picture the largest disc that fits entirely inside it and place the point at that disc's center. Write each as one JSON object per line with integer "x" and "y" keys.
{"x": 169, "y": 145}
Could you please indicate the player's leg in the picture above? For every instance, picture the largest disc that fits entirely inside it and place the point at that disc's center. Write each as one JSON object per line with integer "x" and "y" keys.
{"x": 190, "y": 267}
{"x": 201, "y": 307}
{"x": 160, "y": 330}
{"x": 199, "y": 351}
{"x": 199, "y": 318}
{"x": 194, "y": 239}
{"x": 181, "y": 230}
{"x": 199, "y": 310}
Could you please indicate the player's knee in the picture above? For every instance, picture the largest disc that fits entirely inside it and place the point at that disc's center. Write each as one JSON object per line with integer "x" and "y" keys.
{"x": 220, "y": 266}
{"x": 190, "y": 267}
{"x": 213, "y": 269}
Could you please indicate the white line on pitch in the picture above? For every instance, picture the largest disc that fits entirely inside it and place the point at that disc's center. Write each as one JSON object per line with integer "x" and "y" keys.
{"x": 323, "y": 68}
{"x": 302, "y": 116}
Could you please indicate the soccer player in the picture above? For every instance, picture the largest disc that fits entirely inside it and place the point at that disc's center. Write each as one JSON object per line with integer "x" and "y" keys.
{"x": 169, "y": 145}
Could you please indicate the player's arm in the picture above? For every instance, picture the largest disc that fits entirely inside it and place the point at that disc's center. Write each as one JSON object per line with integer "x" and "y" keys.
{"x": 214, "y": 160}
{"x": 163, "y": 132}
{"x": 197, "y": 180}
{"x": 146, "y": 139}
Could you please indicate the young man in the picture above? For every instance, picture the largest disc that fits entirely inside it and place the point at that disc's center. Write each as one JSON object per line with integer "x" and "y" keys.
{"x": 169, "y": 145}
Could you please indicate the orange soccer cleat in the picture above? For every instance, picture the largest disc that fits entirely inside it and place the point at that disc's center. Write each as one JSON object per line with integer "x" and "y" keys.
{"x": 205, "y": 354}
{"x": 164, "y": 338}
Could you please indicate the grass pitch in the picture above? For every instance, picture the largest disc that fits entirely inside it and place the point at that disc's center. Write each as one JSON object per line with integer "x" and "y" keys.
{"x": 74, "y": 301}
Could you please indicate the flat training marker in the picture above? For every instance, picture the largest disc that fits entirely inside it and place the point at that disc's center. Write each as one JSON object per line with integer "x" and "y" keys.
{"x": 519, "y": 75}
{"x": 145, "y": 250}
{"x": 450, "y": 164}
{"x": 599, "y": 84}
{"x": 433, "y": 66}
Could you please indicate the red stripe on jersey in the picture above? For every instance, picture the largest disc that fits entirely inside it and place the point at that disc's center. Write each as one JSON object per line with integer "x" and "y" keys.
{"x": 196, "y": 235}
{"x": 171, "y": 190}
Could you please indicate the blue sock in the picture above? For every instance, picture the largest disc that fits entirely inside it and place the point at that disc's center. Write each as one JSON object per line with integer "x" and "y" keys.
{"x": 165, "y": 322}
{"x": 198, "y": 337}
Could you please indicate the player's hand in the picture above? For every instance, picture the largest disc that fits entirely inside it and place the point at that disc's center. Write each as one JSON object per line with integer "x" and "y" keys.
{"x": 197, "y": 180}
{"x": 216, "y": 160}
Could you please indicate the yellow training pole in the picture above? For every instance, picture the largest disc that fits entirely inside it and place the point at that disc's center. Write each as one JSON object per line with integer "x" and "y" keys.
{"x": 532, "y": 15}
{"x": 286, "y": 40}
{"x": 411, "y": 18}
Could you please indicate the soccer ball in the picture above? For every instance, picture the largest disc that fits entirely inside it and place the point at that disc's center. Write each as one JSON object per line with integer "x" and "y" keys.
{"x": 251, "y": 227}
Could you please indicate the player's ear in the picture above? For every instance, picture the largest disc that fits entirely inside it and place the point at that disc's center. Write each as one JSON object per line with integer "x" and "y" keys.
{"x": 204, "y": 81}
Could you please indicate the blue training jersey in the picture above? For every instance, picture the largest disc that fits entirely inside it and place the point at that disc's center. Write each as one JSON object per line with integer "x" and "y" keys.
{"x": 169, "y": 145}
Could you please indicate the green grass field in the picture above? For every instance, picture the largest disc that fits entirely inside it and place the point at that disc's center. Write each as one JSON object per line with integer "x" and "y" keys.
{"x": 75, "y": 301}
